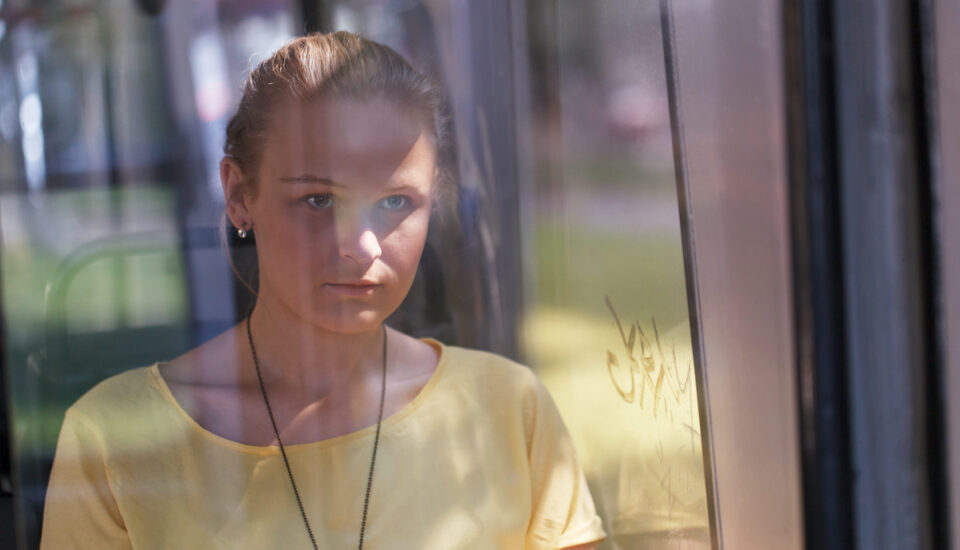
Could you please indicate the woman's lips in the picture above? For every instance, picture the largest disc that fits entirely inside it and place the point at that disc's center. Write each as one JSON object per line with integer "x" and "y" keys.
{"x": 358, "y": 289}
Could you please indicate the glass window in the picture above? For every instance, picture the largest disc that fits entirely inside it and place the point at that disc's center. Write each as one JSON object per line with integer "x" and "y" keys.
{"x": 558, "y": 246}
{"x": 607, "y": 321}
{"x": 112, "y": 130}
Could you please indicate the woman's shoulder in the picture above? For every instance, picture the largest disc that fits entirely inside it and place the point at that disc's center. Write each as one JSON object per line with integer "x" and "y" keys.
{"x": 470, "y": 361}
{"x": 505, "y": 392}
{"x": 119, "y": 394}
{"x": 490, "y": 373}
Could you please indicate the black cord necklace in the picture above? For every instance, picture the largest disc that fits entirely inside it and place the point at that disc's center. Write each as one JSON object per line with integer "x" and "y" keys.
{"x": 283, "y": 452}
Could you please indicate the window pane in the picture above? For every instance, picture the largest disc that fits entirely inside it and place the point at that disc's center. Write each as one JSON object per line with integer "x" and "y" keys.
{"x": 608, "y": 324}
{"x": 560, "y": 249}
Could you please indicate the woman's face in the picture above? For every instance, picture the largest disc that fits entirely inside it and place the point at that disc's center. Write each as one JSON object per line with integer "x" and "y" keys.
{"x": 341, "y": 209}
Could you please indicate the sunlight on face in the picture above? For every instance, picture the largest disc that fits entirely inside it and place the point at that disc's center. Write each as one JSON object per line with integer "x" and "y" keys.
{"x": 342, "y": 208}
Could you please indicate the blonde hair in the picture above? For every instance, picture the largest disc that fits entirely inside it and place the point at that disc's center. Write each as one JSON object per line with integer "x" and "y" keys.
{"x": 339, "y": 64}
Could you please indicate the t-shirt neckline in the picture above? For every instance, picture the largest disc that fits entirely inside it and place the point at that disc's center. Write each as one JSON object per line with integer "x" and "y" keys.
{"x": 368, "y": 431}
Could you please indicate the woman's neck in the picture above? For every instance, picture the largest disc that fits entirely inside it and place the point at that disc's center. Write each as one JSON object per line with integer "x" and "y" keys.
{"x": 294, "y": 353}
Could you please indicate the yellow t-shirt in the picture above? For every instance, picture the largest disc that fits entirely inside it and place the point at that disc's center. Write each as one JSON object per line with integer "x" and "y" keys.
{"x": 479, "y": 459}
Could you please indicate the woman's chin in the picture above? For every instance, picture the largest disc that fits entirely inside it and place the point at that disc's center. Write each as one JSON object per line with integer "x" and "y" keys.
{"x": 351, "y": 316}
{"x": 354, "y": 322}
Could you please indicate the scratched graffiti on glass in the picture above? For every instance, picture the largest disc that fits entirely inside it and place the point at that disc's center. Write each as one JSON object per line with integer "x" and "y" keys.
{"x": 651, "y": 359}
{"x": 661, "y": 496}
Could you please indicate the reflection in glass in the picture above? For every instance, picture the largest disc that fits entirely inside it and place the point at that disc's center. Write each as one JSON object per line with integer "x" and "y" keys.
{"x": 565, "y": 252}
{"x": 333, "y": 165}
{"x": 589, "y": 161}
{"x": 111, "y": 257}
{"x": 607, "y": 323}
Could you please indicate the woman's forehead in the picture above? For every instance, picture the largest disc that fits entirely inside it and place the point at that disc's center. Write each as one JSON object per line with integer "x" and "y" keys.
{"x": 348, "y": 136}
{"x": 346, "y": 122}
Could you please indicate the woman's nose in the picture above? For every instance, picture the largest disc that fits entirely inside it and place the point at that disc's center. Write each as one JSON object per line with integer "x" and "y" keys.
{"x": 359, "y": 243}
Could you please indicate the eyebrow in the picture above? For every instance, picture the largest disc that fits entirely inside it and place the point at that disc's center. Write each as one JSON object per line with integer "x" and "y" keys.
{"x": 309, "y": 178}
{"x": 402, "y": 185}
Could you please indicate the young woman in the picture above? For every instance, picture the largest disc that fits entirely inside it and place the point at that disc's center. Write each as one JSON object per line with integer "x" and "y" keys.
{"x": 311, "y": 424}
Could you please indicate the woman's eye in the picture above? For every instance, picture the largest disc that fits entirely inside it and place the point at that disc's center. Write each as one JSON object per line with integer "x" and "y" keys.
{"x": 395, "y": 202}
{"x": 320, "y": 201}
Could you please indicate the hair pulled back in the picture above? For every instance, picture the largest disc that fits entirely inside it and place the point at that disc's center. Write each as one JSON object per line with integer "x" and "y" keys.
{"x": 339, "y": 64}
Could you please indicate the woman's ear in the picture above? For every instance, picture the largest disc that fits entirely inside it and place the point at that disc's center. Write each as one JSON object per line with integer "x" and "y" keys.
{"x": 235, "y": 194}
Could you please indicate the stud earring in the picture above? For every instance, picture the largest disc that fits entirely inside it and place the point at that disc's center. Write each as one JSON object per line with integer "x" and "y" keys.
{"x": 242, "y": 233}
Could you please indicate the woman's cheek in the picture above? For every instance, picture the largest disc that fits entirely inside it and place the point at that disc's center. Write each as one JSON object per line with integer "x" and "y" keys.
{"x": 420, "y": 218}
{"x": 289, "y": 244}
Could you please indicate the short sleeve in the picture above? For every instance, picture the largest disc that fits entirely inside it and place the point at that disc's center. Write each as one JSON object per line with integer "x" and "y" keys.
{"x": 563, "y": 513}
{"x": 80, "y": 511}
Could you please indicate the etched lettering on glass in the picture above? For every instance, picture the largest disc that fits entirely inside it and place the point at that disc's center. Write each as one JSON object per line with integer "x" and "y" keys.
{"x": 652, "y": 366}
